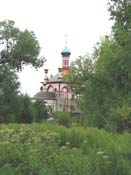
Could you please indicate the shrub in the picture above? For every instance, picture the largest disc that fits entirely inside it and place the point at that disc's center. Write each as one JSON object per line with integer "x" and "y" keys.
{"x": 40, "y": 110}
{"x": 120, "y": 118}
{"x": 62, "y": 118}
{"x": 25, "y": 114}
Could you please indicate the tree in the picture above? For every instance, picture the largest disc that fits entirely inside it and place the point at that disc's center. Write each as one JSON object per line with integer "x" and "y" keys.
{"x": 8, "y": 91}
{"x": 25, "y": 112}
{"x": 80, "y": 71}
{"x": 90, "y": 89}
{"x": 104, "y": 84}
{"x": 18, "y": 47}
{"x": 40, "y": 110}
{"x": 120, "y": 11}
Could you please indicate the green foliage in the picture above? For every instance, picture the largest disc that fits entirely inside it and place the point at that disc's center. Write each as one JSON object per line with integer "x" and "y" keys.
{"x": 120, "y": 118}
{"x": 25, "y": 113}
{"x": 41, "y": 149}
{"x": 102, "y": 82}
{"x": 8, "y": 91}
{"x": 105, "y": 87}
{"x": 120, "y": 13}
{"x": 89, "y": 98}
{"x": 18, "y": 47}
{"x": 62, "y": 118}
{"x": 20, "y": 109}
{"x": 81, "y": 70}
{"x": 40, "y": 109}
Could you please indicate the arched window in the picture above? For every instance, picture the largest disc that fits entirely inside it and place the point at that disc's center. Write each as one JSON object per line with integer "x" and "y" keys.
{"x": 65, "y": 92}
{"x": 65, "y": 89}
{"x": 50, "y": 88}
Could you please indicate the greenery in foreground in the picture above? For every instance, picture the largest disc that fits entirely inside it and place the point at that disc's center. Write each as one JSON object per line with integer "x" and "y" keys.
{"x": 47, "y": 149}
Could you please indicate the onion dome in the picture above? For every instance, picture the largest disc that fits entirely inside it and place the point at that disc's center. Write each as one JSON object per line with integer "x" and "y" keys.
{"x": 45, "y": 96}
{"x": 65, "y": 51}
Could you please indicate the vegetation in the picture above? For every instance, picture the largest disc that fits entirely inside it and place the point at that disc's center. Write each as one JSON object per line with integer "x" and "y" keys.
{"x": 40, "y": 110}
{"x": 62, "y": 118}
{"x": 103, "y": 89}
{"x": 21, "y": 109}
{"x": 103, "y": 82}
{"x": 18, "y": 48}
{"x": 8, "y": 91}
{"x": 54, "y": 150}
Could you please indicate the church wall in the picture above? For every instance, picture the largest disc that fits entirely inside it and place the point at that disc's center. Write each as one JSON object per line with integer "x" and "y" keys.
{"x": 63, "y": 96}
{"x": 58, "y": 87}
{"x": 51, "y": 105}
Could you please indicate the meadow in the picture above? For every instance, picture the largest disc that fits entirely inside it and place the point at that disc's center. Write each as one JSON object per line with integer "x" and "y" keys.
{"x": 49, "y": 149}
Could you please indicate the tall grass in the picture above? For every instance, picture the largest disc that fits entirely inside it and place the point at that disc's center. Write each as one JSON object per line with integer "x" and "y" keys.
{"x": 49, "y": 149}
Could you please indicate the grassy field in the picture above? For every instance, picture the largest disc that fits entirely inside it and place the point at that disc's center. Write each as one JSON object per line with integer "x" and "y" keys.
{"x": 48, "y": 149}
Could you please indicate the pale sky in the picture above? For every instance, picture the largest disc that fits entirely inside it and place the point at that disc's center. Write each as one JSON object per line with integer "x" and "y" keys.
{"x": 85, "y": 21}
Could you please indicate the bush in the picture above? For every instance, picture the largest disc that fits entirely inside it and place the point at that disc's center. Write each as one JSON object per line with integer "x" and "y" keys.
{"x": 25, "y": 112}
{"x": 40, "y": 110}
{"x": 120, "y": 118}
{"x": 62, "y": 118}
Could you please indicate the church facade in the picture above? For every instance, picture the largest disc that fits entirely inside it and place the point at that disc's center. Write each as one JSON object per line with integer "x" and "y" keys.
{"x": 55, "y": 91}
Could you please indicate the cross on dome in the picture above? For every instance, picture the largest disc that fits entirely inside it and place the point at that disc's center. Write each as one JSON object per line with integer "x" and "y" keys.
{"x": 66, "y": 36}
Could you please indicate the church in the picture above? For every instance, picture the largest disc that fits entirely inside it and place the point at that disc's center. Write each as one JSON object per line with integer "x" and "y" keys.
{"x": 55, "y": 91}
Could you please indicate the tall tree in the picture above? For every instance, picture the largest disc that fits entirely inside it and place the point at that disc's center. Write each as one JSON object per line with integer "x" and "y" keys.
{"x": 104, "y": 86}
{"x": 120, "y": 12}
{"x": 8, "y": 92}
{"x": 90, "y": 88}
{"x": 18, "y": 47}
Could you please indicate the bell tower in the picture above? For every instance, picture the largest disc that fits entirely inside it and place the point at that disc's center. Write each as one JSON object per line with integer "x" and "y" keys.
{"x": 65, "y": 57}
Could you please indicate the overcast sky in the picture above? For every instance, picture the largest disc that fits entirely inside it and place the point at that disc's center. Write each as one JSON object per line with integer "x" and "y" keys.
{"x": 85, "y": 21}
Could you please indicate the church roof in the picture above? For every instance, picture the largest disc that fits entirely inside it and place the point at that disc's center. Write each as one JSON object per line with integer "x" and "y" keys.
{"x": 45, "y": 96}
